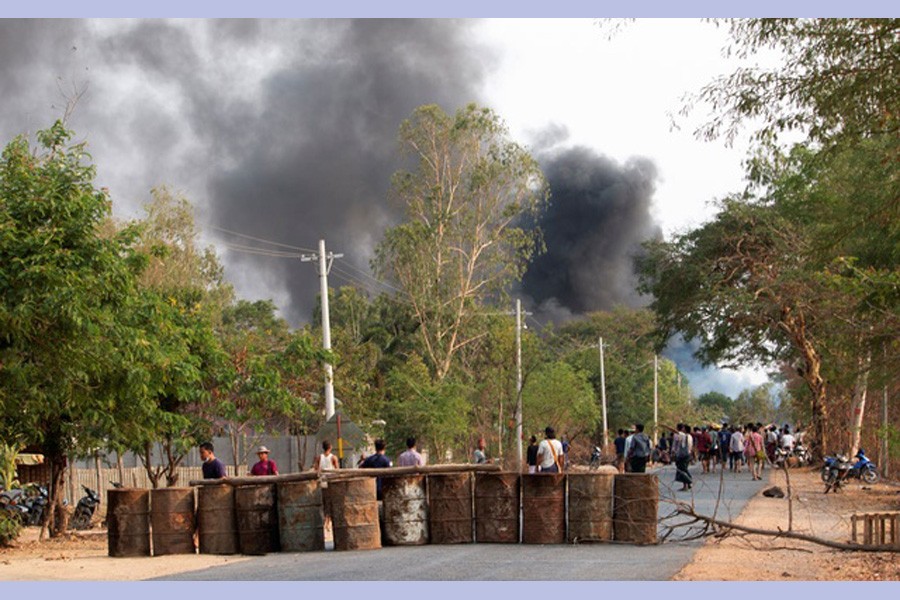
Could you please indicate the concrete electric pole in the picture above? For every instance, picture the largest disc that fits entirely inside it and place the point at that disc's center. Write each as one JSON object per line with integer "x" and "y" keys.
{"x": 655, "y": 399}
{"x": 603, "y": 396}
{"x": 323, "y": 268}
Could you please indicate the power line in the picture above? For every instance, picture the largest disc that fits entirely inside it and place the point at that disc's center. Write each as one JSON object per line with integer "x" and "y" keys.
{"x": 260, "y": 251}
{"x": 372, "y": 277}
{"x": 264, "y": 241}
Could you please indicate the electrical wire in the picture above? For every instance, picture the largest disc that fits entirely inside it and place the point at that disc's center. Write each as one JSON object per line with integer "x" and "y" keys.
{"x": 263, "y": 251}
{"x": 264, "y": 241}
{"x": 370, "y": 276}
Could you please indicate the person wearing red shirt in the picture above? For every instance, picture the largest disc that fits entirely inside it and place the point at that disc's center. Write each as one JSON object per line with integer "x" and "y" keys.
{"x": 264, "y": 466}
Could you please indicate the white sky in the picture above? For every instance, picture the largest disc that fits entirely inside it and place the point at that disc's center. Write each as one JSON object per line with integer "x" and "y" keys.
{"x": 619, "y": 96}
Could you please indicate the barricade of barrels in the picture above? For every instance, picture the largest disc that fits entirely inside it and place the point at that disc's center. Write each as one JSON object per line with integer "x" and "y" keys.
{"x": 437, "y": 505}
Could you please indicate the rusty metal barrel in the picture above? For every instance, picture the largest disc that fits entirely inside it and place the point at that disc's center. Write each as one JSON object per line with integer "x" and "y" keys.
{"x": 405, "y": 511}
{"x": 497, "y": 507}
{"x": 636, "y": 507}
{"x": 544, "y": 508}
{"x": 128, "y": 522}
{"x": 217, "y": 520}
{"x": 301, "y": 524}
{"x": 172, "y": 521}
{"x": 354, "y": 508}
{"x": 590, "y": 507}
{"x": 450, "y": 508}
{"x": 257, "y": 518}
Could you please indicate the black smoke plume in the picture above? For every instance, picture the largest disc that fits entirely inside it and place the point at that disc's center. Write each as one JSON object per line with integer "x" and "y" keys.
{"x": 599, "y": 215}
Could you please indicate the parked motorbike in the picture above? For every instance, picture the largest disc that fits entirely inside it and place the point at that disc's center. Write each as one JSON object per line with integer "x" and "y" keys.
{"x": 863, "y": 469}
{"x": 838, "y": 470}
{"x": 802, "y": 454}
{"x": 13, "y": 502}
{"x": 37, "y": 504}
{"x": 84, "y": 511}
{"x": 596, "y": 454}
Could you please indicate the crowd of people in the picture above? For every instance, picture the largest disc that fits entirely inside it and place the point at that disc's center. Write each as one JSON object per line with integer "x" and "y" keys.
{"x": 734, "y": 447}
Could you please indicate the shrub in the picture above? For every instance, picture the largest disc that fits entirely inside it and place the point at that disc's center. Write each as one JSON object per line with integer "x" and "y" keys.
{"x": 10, "y": 527}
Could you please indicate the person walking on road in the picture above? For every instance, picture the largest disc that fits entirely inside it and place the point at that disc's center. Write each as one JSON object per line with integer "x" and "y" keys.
{"x": 681, "y": 450}
{"x": 639, "y": 450}
{"x": 410, "y": 458}
{"x": 736, "y": 447}
{"x": 550, "y": 453}
{"x": 756, "y": 452}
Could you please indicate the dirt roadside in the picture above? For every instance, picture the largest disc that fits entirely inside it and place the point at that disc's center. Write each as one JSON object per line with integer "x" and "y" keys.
{"x": 757, "y": 558}
{"x": 83, "y": 555}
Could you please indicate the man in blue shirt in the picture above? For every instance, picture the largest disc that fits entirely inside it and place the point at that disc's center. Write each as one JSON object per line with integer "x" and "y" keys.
{"x": 377, "y": 461}
{"x": 212, "y": 466}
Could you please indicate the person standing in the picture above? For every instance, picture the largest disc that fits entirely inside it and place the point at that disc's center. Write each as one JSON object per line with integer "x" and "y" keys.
{"x": 681, "y": 448}
{"x": 378, "y": 461}
{"x": 725, "y": 445}
{"x": 620, "y": 450}
{"x": 326, "y": 461}
{"x": 704, "y": 447}
{"x": 549, "y": 452}
{"x": 410, "y": 458}
{"x": 736, "y": 447}
{"x": 212, "y": 467}
{"x": 264, "y": 466}
{"x": 756, "y": 452}
{"x": 639, "y": 450}
{"x": 531, "y": 455}
{"x": 480, "y": 457}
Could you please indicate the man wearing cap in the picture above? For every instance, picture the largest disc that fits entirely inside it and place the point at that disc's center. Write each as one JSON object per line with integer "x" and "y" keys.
{"x": 264, "y": 466}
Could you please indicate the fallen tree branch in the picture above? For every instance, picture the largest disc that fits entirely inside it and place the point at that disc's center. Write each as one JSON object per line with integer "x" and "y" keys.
{"x": 685, "y": 509}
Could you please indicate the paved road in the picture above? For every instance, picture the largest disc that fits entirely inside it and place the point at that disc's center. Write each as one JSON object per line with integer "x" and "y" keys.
{"x": 480, "y": 562}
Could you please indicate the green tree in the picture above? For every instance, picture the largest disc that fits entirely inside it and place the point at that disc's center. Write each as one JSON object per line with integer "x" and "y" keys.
{"x": 64, "y": 350}
{"x": 715, "y": 405}
{"x": 461, "y": 244}
{"x": 836, "y": 80}
{"x": 558, "y": 395}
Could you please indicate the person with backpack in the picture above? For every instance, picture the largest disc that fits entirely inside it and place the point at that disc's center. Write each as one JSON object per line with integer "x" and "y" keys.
{"x": 264, "y": 466}
{"x": 639, "y": 450}
{"x": 550, "y": 453}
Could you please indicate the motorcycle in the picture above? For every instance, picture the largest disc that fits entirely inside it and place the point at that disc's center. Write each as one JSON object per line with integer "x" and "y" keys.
{"x": 838, "y": 469}
{"x": 863, "y": 469}
{"x": 37, "y": 504}
{"x": 84, "y": 511}
{"x": 596, "y": 455}
{"x": 802, "y": 454}
{"x": 13, "y": 502}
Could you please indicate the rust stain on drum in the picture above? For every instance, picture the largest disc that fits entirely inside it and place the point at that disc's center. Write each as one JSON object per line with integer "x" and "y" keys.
{"x": 128, "y": 522}
{"x": 257, "y": 518}
{"x": 497, "y": 507}
{"x": 590, "y": 507}
{"x": 172, "y": 521}
{"x": 450, "y": 508}
{"x": 544, "y": 508}
{"x": 300, "y": 519}
{"x": 354, "y": 514}
{"x": 217, "y": 519}
{"x": 636, "y": 508}
{"x": 405, "y": 510}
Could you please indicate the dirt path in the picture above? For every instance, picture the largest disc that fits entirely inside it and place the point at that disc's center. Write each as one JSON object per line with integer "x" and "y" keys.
{"x": 756, "y": 558}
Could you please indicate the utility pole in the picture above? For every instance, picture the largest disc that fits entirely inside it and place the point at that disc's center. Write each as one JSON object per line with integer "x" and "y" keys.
{"x": 519, "y": 383}
{"x": 324, "y": 267}
{"x": 655, "y": 399}
{"x": 603, "y": 397}
{"x": 885, "y": 458}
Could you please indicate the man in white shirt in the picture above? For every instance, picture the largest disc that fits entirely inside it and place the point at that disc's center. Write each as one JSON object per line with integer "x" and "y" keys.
{"x": 787, "y": 440}
{"x": 549, "y": 452}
